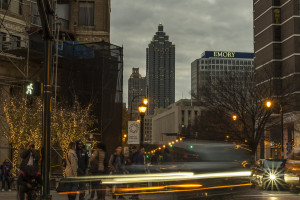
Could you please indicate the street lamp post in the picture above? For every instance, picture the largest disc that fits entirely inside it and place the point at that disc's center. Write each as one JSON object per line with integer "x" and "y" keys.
{"x": 145, "y": 101}
{"x": 282, "y": 138}
{"x": 269, "y": 104}
{"x": 142, "y": 110}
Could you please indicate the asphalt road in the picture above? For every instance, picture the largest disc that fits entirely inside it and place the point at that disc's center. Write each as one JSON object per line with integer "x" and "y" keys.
{"x": 250, "y": 194}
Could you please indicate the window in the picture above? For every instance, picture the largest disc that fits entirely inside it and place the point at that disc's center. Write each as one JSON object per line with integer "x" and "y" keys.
{"x": 20, "y": 7}
{"x": 4, "y": 4}
{"x": 277, "y": 51}
{"x": 2, "y": 40}
{"x": 217, "y": 61}
{"x": 86, "y": 13}
{"x": 213, "y": 61}
{"x": 15, "y": 42}
{"x": 182, "y": 116}
{"x": 276, "y": 2}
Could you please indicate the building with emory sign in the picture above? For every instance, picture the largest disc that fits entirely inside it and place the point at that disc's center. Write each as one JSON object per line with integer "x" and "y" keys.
{"x": 214, "y": 65}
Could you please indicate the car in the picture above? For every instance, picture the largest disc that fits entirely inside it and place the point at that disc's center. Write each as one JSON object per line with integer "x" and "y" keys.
{"x": 269, "y": 174}
{"x": 292, "y": 172}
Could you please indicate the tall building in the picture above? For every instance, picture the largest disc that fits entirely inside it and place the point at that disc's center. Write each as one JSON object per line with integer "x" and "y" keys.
{"x": 215, "y": 64}
{"x": 136, "y": 92}
{"x": 277, "y": 62}
{"x": 160, "y": 71}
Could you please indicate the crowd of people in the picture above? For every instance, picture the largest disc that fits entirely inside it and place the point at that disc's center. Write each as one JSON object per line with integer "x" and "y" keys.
{"x": 78, "y": 163}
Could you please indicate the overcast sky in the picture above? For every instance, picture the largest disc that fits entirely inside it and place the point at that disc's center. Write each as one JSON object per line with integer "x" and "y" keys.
{"x": 194, "y": 26}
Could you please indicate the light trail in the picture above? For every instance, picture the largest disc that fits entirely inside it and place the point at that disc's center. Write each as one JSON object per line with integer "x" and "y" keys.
{"x": 187, "y": 190}
{"x": 143, "y": 179}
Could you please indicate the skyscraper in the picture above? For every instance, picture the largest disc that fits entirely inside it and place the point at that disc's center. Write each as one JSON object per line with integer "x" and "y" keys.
{"x": 136, "y": 92}
{"x": 160, "y": 71}
{"x": 276, "y": 62}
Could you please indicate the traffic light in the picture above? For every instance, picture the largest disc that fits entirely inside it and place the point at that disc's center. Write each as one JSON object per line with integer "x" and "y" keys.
{"x": 33, "y": 88}
{"x": 171, "y": 145}
{"x": 191, "y": 146}
{"x": 147, "y": 156}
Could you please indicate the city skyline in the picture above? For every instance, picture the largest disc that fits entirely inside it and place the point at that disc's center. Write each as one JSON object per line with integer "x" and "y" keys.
{"x": 205, "y": 25}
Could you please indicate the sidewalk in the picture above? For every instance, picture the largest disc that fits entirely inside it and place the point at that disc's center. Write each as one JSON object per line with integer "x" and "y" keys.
{"x": 55, "y": 196}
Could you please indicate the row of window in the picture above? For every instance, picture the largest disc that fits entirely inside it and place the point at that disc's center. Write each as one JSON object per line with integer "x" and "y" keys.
{"x": 189, "y": 115}
{"x": 222, "y": 67}
{"x": 227, "y": 61}
{"x": 9, "y": 42}
{"x": 13, "y": 6}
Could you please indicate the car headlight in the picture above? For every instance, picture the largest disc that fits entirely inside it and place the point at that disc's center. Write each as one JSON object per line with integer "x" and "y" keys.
{"x": 272, "y": 177}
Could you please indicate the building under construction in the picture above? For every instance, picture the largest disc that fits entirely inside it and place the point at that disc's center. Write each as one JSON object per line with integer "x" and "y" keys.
{"x": 85, "y": 65}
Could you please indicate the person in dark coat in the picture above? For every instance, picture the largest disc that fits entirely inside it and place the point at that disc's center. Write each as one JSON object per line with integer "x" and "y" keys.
{"x": 83, "y": 161}
{"x": 6, "y": 175}
{"x": 117, "y": 165}
{"x": 29, "y": 181}
{"x": 137, "y": 160}
{"x": 167, "y": 159}
{"x": 30, "y": 157}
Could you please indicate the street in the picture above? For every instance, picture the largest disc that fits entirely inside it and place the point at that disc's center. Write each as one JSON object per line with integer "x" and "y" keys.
{"x": 245, "y": 194}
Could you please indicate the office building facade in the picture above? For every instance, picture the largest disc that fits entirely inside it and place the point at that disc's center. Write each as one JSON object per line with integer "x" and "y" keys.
{"x": 277, "y": 63}
{"x": 168, "y": 123}
{"x": 214, "y": 65}
{"x": 136, "y": 92}
{"x": 160, "y": 71}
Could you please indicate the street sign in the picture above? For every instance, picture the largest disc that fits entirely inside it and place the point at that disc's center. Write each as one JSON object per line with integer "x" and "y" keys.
{"x": 133, "y": 132}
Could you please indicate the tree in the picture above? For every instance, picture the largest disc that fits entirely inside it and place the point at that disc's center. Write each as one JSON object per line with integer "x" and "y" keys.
{"x": 236, "y": 94}
{"x": 70, "y": 124}
{"x": 21, "y": 123}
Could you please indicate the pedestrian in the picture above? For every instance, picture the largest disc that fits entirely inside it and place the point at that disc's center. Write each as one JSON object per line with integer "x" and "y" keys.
{"x": 167, "y": 159}
{"x": 83, "y": 161}
{"x": 71, "y": 170}
{"x": 6, "y": 175}
{"x": 30, "y": 157}
{"x": 29, "y": 182}
{"x": 137, "y": 161}
{"x": 117, "y": 165}
{"x": 98, "y": 166}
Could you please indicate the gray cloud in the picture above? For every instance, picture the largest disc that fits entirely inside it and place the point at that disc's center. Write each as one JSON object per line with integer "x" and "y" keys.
{"x": 193, "y": 26}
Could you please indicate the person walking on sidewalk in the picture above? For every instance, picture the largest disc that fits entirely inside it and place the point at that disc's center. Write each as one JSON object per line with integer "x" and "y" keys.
{"x": 83, "y": 161}
{"x": 71, "y": 170}
{"x": 117, "y": 165}
{"x": 98, "y": 166}
{"x": 6, "y": 175}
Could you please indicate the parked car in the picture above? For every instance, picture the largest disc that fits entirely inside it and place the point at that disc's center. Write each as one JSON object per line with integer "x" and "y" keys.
{"x": 269, "y": 174}
{"x": 292, "y": 173}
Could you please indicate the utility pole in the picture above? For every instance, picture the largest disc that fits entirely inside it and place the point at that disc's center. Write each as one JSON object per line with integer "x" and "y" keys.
{"x": 46, "y": 15}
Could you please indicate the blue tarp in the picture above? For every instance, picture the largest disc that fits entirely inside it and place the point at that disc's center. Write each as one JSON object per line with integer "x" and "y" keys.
{"x": 74, "y": 49}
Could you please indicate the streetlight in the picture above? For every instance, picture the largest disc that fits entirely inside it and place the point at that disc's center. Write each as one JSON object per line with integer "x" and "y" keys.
{"x": 269, "y": 104}
{"x": 145, "y": 102}
{"x": 234, "y": 117}
{"x": 142, "y": 110}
